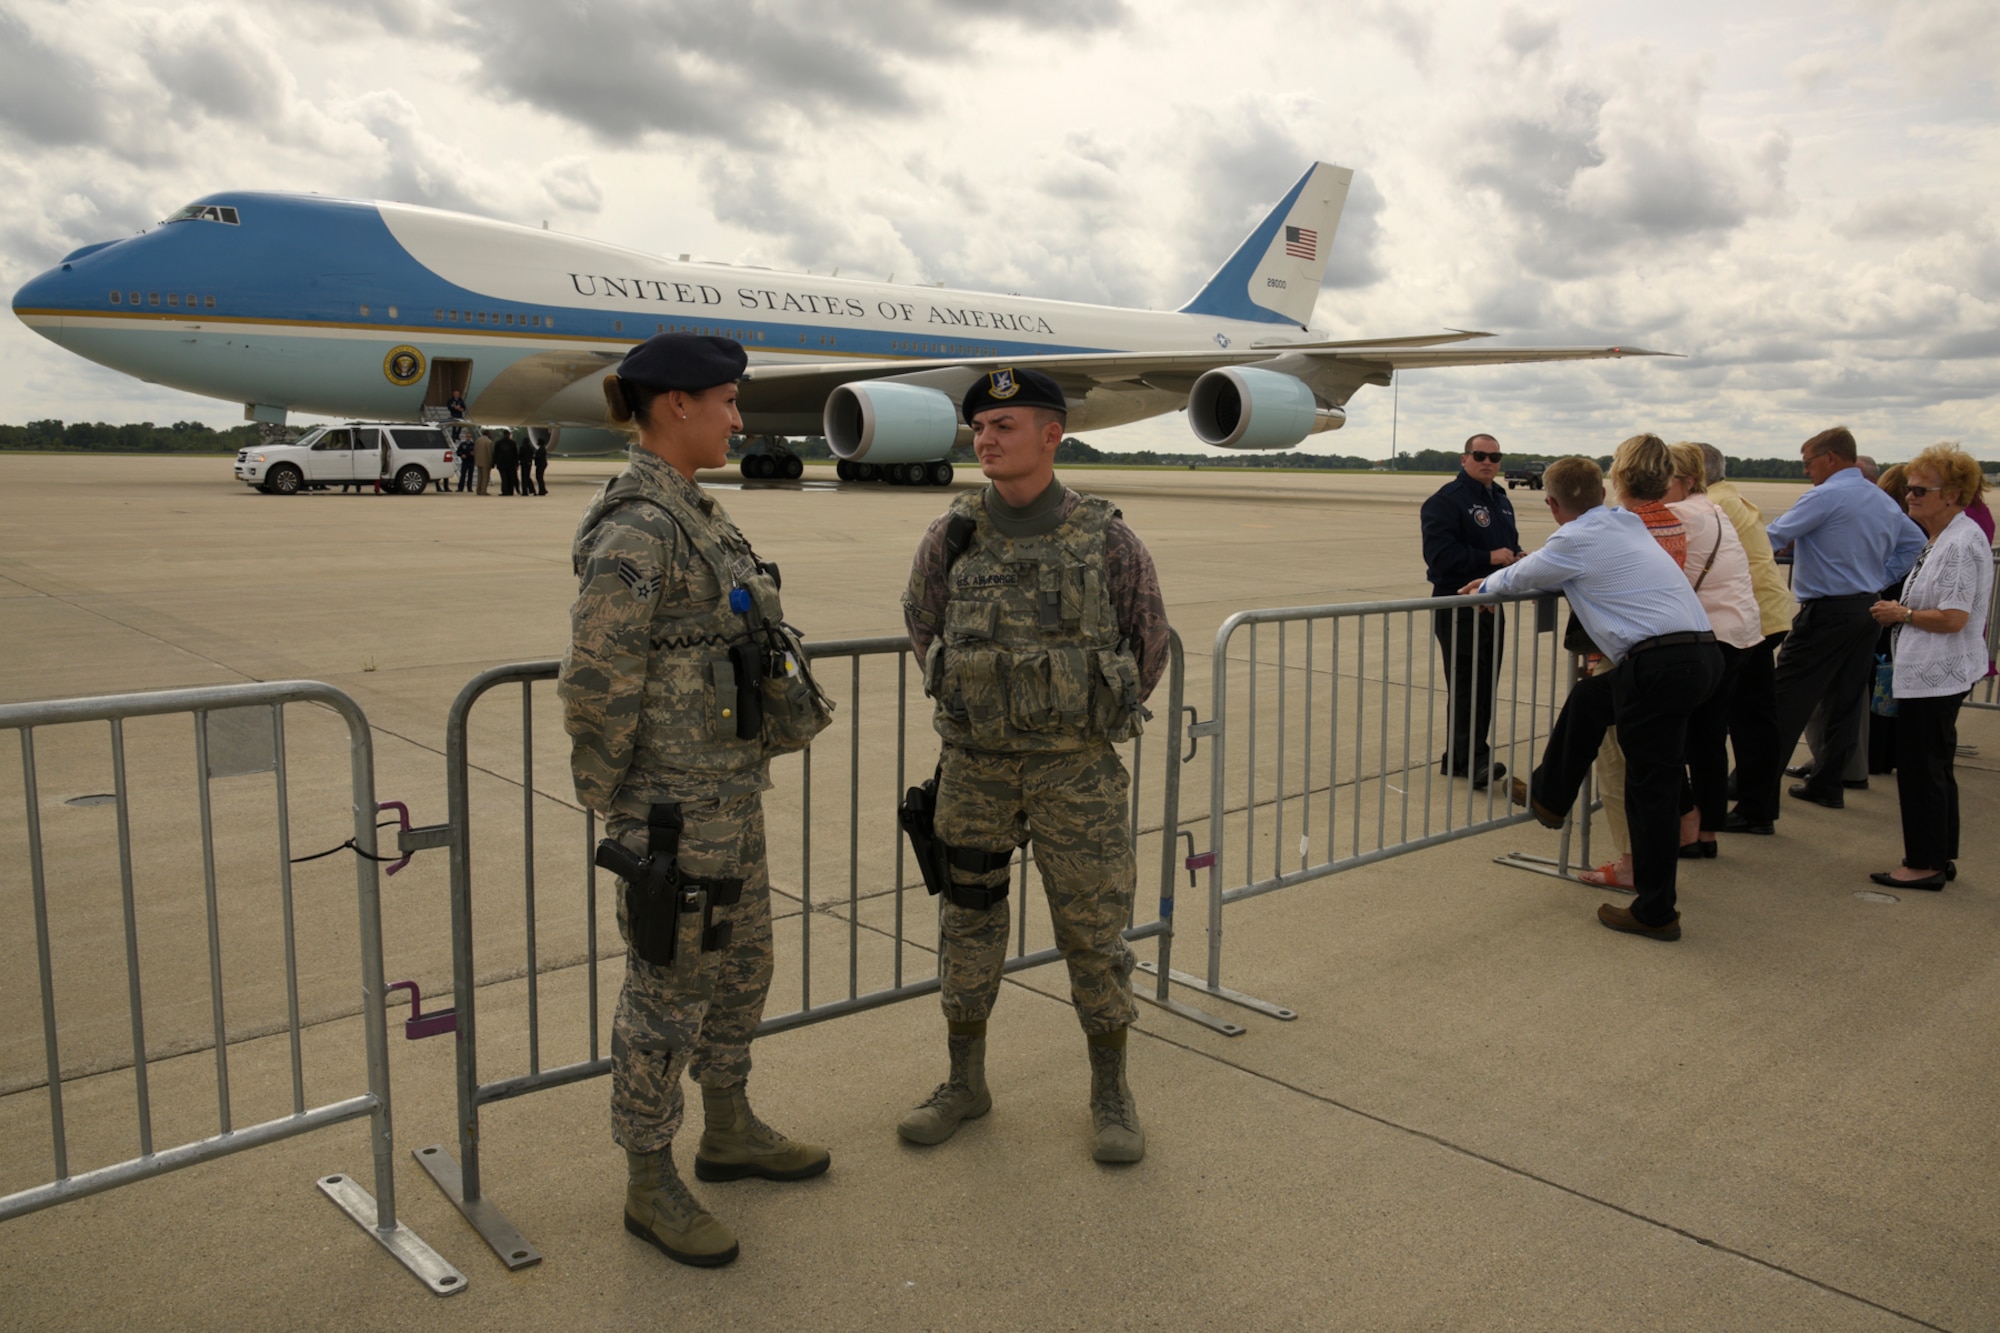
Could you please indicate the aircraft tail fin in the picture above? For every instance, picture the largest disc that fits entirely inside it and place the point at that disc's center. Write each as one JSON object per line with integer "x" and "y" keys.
{"x": 1275, "y": 275}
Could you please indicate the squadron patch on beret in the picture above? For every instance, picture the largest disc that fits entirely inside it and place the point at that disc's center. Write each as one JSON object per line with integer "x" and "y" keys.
{"x": 1013, "y": 386}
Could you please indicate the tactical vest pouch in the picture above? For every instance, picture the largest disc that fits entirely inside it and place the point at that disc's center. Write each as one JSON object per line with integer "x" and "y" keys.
{"x": 1118, "y": 712}
{"x": 1072, "y": 686}
{"x": 968, "y": 619}
{"x": 978, "y": 687}
{"x": 794, "y": 707}
{"x": 1030, "y": 703}
{"x": 747, "y": 662}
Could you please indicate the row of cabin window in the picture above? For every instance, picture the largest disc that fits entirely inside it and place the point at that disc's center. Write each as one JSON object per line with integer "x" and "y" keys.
{"x": 482, "y": 317}
{"x": 153, "y": 298}
{"x": 948, "y": 349}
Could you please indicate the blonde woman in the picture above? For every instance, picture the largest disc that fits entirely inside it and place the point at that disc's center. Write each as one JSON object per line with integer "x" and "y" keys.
{"x": 1719, "y": 569}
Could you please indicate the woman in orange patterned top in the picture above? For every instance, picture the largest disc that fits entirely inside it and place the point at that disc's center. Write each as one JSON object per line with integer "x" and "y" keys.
{"x": 1641, "y": 472}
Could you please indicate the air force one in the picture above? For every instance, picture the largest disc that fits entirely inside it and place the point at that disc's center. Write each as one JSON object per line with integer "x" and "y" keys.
{"x": 298, "y": 303}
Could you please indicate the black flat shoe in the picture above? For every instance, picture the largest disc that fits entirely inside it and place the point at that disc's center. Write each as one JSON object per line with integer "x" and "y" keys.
{"x": 1805, "y": 793}
{"x": 1889, "y": 881}
{"x": 1736, "y": 823}
{"x": 1698, "y": 851}
{"x": 1950, "y": 870}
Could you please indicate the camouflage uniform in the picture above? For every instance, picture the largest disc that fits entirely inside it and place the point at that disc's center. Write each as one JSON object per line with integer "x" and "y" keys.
{"x": 1039, "y": 643}
{"x": 644, "y": 691}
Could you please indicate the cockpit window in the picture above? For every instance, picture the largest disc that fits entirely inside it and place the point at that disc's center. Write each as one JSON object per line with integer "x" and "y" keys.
{"x": 207, "y": 213}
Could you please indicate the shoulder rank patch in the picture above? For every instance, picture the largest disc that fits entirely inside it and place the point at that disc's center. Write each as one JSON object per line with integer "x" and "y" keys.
{"x": 642, "y": 587}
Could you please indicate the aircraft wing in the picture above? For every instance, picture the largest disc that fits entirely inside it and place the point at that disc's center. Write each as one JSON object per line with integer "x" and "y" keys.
{"x": 1334, "y": 369}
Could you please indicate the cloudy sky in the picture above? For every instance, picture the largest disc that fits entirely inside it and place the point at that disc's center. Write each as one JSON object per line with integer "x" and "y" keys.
{"x": 1802, "y": 199}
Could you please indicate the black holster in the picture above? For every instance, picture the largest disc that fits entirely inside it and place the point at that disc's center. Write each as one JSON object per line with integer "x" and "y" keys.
{"x": 918, "y": 816}
{"x": 657, "y": 895}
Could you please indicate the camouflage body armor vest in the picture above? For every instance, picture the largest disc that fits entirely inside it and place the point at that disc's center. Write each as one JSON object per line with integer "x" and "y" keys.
{"x": 1030, "y": 658}
{"x": 689, "y": 723}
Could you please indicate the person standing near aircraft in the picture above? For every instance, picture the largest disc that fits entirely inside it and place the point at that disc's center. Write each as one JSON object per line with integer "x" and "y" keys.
{"x": 1642, "y": 613}
{"x": 1468, "y": 528}
{"x": 462, "y": 443}
{"x": 1850, "y": 541}
{"x": 1037, "y": 615}
{"x": 482, "y": 456}
{"x": 674, "y": 618}
{"x": 506, "y": 459}
{"x": 541, "y": 439}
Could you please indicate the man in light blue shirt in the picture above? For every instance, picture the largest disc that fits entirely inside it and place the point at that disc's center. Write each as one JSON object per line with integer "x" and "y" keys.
{"x": 1639, "y": 610}
{"x": 1849, "y": 541}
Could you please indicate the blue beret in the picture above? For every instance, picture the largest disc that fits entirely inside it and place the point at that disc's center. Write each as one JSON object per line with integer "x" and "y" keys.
{"x": 685, "y": 361}
{"x": 1013, "y": 388}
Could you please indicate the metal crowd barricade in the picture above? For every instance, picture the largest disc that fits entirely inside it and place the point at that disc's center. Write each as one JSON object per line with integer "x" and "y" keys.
{"x": 238, "y": 730}
{"x": 874, "y": 689}
{"x": 1329, "y": 729}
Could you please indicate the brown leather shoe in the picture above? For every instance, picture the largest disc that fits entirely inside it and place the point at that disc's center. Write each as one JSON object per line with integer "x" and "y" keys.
{"x": 1517, "y": 792}
{"x": 1619, "y": 918}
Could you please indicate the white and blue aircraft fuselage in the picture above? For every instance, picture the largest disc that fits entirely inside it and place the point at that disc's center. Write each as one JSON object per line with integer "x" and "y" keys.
{"x": 297, "y": 303}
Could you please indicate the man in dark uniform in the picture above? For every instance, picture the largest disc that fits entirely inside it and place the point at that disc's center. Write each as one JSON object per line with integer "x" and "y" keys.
{"x": 506, "y": 459}
{"x": 1468, "y": 533}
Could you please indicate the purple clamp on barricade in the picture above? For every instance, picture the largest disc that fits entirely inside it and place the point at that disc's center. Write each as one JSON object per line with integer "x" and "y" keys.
{"x": 403, "y": 814}
{"x": 420, "y": 1024}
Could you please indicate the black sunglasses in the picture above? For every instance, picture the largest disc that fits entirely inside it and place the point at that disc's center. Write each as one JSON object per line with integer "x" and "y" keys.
{"x": 1478, "y": 457}
{"x": 1918, "y": 492}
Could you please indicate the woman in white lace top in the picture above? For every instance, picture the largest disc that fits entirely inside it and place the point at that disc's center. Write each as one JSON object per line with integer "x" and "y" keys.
{"x": 1940, "y": 652}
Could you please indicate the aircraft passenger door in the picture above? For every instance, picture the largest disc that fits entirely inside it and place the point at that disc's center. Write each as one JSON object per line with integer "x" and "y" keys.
{"x": 332, "y": 457}
{"x": 447, "y": 376}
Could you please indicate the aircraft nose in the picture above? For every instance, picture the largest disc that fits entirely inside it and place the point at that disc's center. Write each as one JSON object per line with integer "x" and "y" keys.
{"x": 40, "y": 300}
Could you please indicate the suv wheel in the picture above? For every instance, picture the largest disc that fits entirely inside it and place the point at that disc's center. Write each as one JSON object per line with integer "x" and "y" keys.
{"x": 412, "y": 480}
{"x": 284, "y": 479}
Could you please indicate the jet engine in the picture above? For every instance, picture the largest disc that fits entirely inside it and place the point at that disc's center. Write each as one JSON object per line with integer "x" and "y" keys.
{"x": 890, "y": 423}
{"x": 1241, "y": 407}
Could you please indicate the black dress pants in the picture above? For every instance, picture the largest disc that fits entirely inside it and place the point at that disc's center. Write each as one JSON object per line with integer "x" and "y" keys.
{"x": 1926, "y": 786}
{"x": 1827, "y": 657}
{"x": 1708, "y": 742}
{"x": 1471, "y": 640}
{"x": 1753, "y": 713}
{"x": 1649, "y": 698}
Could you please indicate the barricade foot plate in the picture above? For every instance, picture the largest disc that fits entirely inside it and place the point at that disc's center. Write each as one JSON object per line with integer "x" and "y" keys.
{"x": 509, "y": 1246}
{"x": 1265, "y": 1007}
{"x": 431, "y": 1268}
{"x": 1548, "y": 865}
{"x": 1194, "y": 1015}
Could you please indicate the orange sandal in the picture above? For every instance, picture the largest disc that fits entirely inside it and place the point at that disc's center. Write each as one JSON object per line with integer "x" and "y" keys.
{"x": 1605, "y": 877}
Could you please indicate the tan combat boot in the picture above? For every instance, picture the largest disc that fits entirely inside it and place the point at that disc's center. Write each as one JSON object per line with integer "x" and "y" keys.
{"x": 1114, "y": 1113}
{"x": 660, "y": 1211}
{"x": 737, "y": 1144}
{"x": 962, "y": 1096}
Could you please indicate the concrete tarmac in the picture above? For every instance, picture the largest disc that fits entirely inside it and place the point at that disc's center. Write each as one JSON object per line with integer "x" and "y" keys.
{"x": 1490, "y": 1112}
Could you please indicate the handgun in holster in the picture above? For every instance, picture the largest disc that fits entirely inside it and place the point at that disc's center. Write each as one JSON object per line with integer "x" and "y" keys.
{"x": 935, "y": 858}
{"x": 658, "y": 895}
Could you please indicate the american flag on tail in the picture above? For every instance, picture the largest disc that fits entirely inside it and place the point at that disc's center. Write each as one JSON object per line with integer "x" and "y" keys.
{"x": 1301, "y": 243}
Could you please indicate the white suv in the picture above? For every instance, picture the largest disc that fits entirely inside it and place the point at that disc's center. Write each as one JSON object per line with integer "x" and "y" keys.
{"x": 407, "y": 457}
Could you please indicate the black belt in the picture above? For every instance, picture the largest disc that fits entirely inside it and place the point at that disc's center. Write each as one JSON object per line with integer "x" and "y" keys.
{"x": 1870, "y": 597}
{"x": 1671, "y": 640}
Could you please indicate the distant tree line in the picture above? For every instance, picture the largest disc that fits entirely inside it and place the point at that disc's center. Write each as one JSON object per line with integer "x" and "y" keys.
{"x": 183, "y": 437}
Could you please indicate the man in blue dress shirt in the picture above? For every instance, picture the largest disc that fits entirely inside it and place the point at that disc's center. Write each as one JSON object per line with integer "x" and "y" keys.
{"x": 1642, "y": 614}
{"x": 1849, "y": 541}
{"x": 1469, "y": 531}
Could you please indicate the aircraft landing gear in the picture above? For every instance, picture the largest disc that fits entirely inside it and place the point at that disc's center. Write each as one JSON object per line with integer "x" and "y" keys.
{"x": 774, "y": 463}
{"x": 936, "y": 473}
